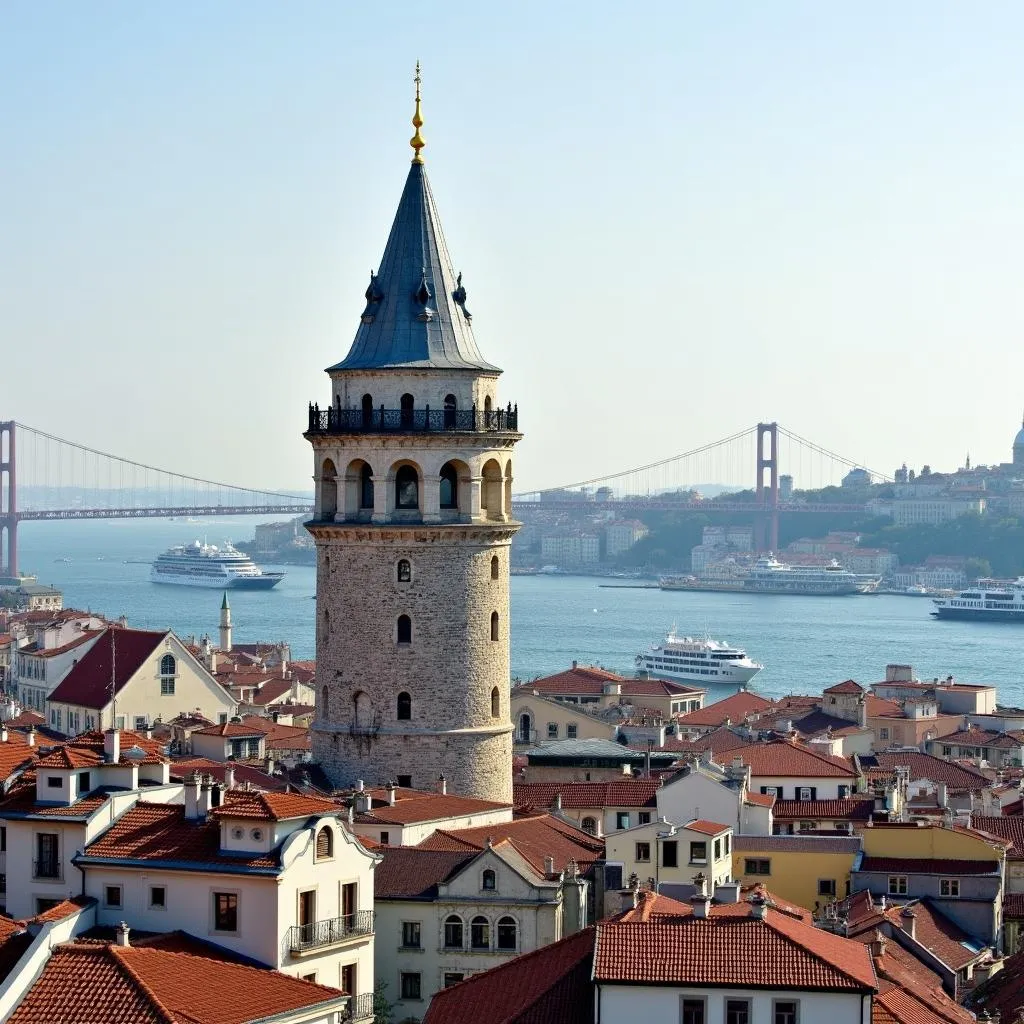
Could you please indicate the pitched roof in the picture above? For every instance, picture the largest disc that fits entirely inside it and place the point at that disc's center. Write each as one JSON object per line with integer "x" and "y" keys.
{"x": 143, "y": 984}
{"x": 1010, "y": 827}
{"x": 928, "y": 866}
{"x": 787, "y": 759}
{"x": 850, "y": 809}
{"x": 231, "y": 729}
{"x": 1003, "y": 992}
{"x": 708, "y": 828}
{"x": 551, "y": 985}
{"x": 428, "y": 807}
{"x": 582, "y": 795}
{"x": 848, "y": 686}
{"x": 957, "y": 778}
{"x": 87, "y": 750}
{"x": 408, "y": 872}
{"x": 586, "y": 680}
{"x": 983, "y": 738}
{"x": 244, "y": 773}
{"x": 117, "y": 654}
{"x": 734, "y": 708}
{"x": 412, "y": 317}
{"x": 273, "y": 806}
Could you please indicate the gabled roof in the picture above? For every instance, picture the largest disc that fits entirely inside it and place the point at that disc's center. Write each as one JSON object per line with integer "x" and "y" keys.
{"x": 958, "y": 779}
{"x": 1003, "y": 993}
{"x": 86, "y": 750}
{"x": 708, "y": 828}
{"x": 583, "y": 795}
{"x": 786, "y": 759}
{"x": 116, "y": 656}
{"x": 1009, "y": 827}
{"x": 408, "y": 872}
{"x": 144, "y": 985}
{"x": 588, "y": 681}
{"x": 928, "y": 866}
{"x": 850, "y": 809}
{"x": 428, "y": 807}
{"x": 848, "y": 686}
{"x": 231, "y": 729}
{"x": 983, "y": 738}
{"x": 734, "y": 709}
{"x": 273, "y": 806}
{"x": 244, "y": 773}
{"x": 412, "y": 318}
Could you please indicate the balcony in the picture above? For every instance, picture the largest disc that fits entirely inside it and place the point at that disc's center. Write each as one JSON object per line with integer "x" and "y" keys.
{"x": 49, "y": 870}
{"x": 334, "y": 420}
{"x": 359, "y": 1008}
{"x": 315, "y": 936}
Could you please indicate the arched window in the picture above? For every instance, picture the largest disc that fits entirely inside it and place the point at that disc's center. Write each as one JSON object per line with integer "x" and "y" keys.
{"x": 325, "y": 703}
{"x": 494, "y": 625}
{"x": 362, "y": 710}
{"x": 407, "y": 488}
{"x": 489, "y": 881}
{"x": 328, "y": 491}
{"x": 450, "y": 407}
{"x": 506, "y": 933}
{"x": 367, "y": 410}
{"x": 366, "y": 486}
{"x": 495, "y": 703}
{"x": 404, "y": 571}
{"x": 487, "y": 405}
{"x": 449, "y": 486}
{"x": 167, "y": 665}
{"x": 589, "y": 825}
{"x": 525, "y": 728}
{"x": 167, "y": 669}
{"x": 404, "y": 707}
{"x": 404, "y": 629}
{"x": 407, "y": 406}
{"x": 495, "y": 567}
{"x": 324, "y": 843}
{"x": 480, "y": 933}
{"x": 453, "y": 932}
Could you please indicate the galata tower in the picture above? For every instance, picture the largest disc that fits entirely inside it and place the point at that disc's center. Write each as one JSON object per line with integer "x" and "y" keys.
{"x": 413, "y": 521}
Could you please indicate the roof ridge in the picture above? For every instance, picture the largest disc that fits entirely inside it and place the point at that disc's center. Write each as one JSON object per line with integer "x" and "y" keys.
{"x": 772, "y": 920}
{"x": 119, "y": 957}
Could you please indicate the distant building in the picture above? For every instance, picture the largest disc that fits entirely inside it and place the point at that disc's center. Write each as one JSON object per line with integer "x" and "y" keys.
{"x": 785, "y": 487}
{"x": 934, "y": 511}
{"x": 570, "y": 548}
{"x": 621, "y": 535}
{"x": 857, "y": 478}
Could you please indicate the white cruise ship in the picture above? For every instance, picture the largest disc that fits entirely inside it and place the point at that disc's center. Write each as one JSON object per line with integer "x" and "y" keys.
{"x": 987, "y": 600}
{"x": 203, "y": 565}
{"x": 769, "y": 576}
{"x": 698, "y": 660}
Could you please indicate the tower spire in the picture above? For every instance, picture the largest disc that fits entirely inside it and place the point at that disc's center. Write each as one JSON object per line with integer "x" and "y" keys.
{"x": 417, "y": 141}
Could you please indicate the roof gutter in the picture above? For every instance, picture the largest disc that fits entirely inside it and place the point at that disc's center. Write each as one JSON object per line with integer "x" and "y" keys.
{"x": 173, "y": 865}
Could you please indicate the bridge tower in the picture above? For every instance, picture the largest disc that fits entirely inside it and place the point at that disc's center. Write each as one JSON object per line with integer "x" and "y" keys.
{"x": 8, "y": 500}
{"x": 766, "y": 528}
{"x": 413, "y": 523}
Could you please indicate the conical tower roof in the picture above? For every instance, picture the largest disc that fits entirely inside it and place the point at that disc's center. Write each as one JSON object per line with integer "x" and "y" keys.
{"x": 415, "y": 315}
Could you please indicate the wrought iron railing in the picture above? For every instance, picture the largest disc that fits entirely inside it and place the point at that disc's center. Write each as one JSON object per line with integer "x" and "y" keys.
{"x": 48, "y": 867}
{"x": 325, "y": 933}
{"x": 335, "y": 420}
{"x": 359, "y": 1008}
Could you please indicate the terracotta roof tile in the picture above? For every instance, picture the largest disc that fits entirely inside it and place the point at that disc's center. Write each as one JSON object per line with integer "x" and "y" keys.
{"x": 580, "y": 795}
{"x": 783, "y": 758}
{"x": 850, "y": 809}
{"x": 88, "y": 683}
{"x": 430, "y": 807}
{"x": 983, "y": 738}
{"x": 1013, "y": 906}
{"x": 735, "y": 708}
{"x": 589, "y": 681}
{"x": 928, "y": 866}
{"x": 708, "y": 828}
{"x": 274, "y": 806}
{"x": 957, "y": 778}
{"x": 51, "y": 652}
{"x": 762, "y": 799}
{"x": 244, "y": 773}
{"x": 407, "y": 872}
{"x": 1003, "y": 992}
{"x": 797, "y": 844}
{"x": 231, "y": 729}
{"x": 1008, "y": 827}
{"x": 848, "y": 686}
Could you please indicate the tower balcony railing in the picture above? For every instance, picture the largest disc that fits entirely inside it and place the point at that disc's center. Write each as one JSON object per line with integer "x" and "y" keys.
{"x": 335, "y": 420}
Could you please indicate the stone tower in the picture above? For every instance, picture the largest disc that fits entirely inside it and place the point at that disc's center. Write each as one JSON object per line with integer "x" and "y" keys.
{"x": 413, "y": 471}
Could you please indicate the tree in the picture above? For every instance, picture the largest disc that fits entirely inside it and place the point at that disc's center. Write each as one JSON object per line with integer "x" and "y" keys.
{"x": 383, "y": 1010}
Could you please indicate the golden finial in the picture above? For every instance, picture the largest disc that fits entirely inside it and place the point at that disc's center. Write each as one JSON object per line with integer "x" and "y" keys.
{"x": 417, "y": 141}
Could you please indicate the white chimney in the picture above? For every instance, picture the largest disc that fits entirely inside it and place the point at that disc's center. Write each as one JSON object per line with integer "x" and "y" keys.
{"x": 908, "y": 920}
{"x": 122, "y": 933}
{"x": 229, "y": 776}
{"x": 758, "y": 907}
{"x": 549, "y": 865}
{"x": 192, "y": 797}
{"x": 391, "y": 794}
{"x": 3, "y": 733}
{"x": 700, "y": 904}
{"x": 442, "y": 785}
{"x": 727, "y": 892}
{"x": 360, "y": 785}
{"x": 32, "y": 736}
{"x": 112, "y": 746}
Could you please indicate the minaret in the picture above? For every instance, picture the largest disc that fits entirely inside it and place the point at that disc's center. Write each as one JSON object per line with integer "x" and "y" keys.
{"x": 413, "y": 471}
{"x": 225, "y": 625}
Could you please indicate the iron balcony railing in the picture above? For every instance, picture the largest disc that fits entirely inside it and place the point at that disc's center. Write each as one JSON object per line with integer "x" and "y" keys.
{"x": 48, "y": 867}
{"x": 335, "y": 420}
{"x": 359, "y": 1008}
{"x": 303, "y": 937}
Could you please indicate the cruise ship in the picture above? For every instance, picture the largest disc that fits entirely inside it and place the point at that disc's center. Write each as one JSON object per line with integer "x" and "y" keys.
{"x": 988, "y": 600}
{"x": 770, "y": 576}
{"x": 698, "y": 660}
{"x": 204, "y": 565}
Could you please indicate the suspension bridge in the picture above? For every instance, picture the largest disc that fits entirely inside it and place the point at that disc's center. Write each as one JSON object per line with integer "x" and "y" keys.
{"x": 44, "y": 478}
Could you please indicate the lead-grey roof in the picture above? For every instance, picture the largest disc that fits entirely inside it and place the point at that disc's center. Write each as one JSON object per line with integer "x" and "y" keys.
{"x": 415, "y": 315}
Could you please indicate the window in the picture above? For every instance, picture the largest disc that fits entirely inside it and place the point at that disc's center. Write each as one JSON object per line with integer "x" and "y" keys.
{"x": 404, "y": 570}
{"x": 449, "y": 486}
{"x": 47, "y": 855}
{"x": 698, "y": 853}
{"x": 54, "y": 782}
{"x": 495, "y": 567}
{"x": 452, "y": 978}
{"x": 844, "y": 791}
{"x": 644, "y": 817}
{"x": 225, "y": 912}
{"x": 718, "y": 849}
{"x": 405, "y": 782}
{"x": 949, "y": 887}
{"x": 112, "y": 895}
{"x": 450, "y": 408}
{"x": 643, "y": 852}
{"x": 737, "y": 1011}
{"x": 325, "y": 703}
{"x": 670, "y": 854}
{"x": 506, "y": 933}
{"x": 84, "y": 782}
{"x": 495, "y": 703}
{"x": 494, "y": 626}
{"x": 404, "y": 707}
{"x": 453, "y": 932}
{"x": 407, "y": 488}
{"x": 883, "y": 734}
{"x": 3, "y": 838}
{"x": 309, "y": 977}
{"x": 947, "y": 751}
{"x": 480, "y": 933}
{"x": 757, "y": 866}
{"x": 411, "y": 985}
{"x": 785, "y": 1011}
{"x": 897, "y": 885}
{"x": 806, "y": 793}
{"x": 367, "y": 405}
{"x": 157, "y": 897}
{"x": 348, "y": 979}
{"x": 622, "y": 819}
{"x": 552, "y": 730}
{"x": 404, "y": 629}
{"x": 168, "y": 667}
{"x": 3, "y": 883}
{"x": 406, "y": 402}
{"x": 140, "y": 723}
{"x": 693, "y": 1010}
{"x": 727, "y": 844}
{"x": 411, "y": 934}
{"x": 826, "y": 887}
{"x": 589, "y": 825}
{"x": 385, "y": 839}
{"x": 325, "y": 843}
{"x": 489, "y": 880}
{"x": 366, "y": 487}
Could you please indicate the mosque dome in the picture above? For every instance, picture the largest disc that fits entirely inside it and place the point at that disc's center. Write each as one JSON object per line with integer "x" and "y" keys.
{"x": 1018, "y": 441}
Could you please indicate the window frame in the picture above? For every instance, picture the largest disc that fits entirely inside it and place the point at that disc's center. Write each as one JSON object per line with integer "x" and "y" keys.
{"x": 734, "y": 1006}
{"x": 489, "y": 875}
{"x": 694, "y": 845}
{"x": 696, "y": 1002}
{"x": 794, "y": 1019}
{"x": 215, "y": 910}
{"x": 621, "y": 821}
{"x": 952, "y": 885}
{"x": 107, "y": 902}
{"x": 757, "y": 866}
{"x": 479, "y": 922}
{"x": 673, "y": 845}
{"x": 572, "y": 731}
{"x": 410, "y": 977}
{"x": 642, "y": 853}
{"x": 506, "y": 921}
{"x": 453, "y": 921}
{"x": 153, "y": 905}
{"x": 412, "y": 929}
{"x": 827, "y": 887}
{"x": 897, "y": 885}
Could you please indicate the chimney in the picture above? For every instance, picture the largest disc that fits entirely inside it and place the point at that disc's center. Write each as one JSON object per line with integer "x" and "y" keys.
{"x": 192, "y": 797}
{"x": 878, "y": 944}
{"x": 908, "y": 921}
{"x": 3, "y": 733}
{"x": 32, "y": 736}
{"x": 727, "y": 892}
{"x": 112, "y": 746}
{"x": 122, "y": 933}
{"x": 549, "y": 865}
{"x": 229, "y": 776}
{"x": 205, "y": 797}
{"x": 573, "y": 662}
{"x": 391, "y": 794}
{"x": 758, "y": 907}
{"x": 270, "y": 766}
{"x": 700, "y": 901}
{"x": 442, "y": 785}
{"x": 557, "y": 806}
{"x": 862, "y": 712}
{"x": 362, "y": 802}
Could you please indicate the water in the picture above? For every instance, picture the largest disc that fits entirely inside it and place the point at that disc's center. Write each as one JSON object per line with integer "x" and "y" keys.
{"x": 806, "y": 643}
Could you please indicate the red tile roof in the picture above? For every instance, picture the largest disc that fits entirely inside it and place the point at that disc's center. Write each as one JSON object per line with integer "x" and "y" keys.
{"x": 429, "y": 807}
{"x": 231, "y": 729}
{"x": 848, "y": 686}
{"x": 1013, "y": 906}
{"x": 551, "y": 985}
{"x": 786, "y": 759}
{"x": 1009, "y": 827}
{"x": 708, "y": 828}
{"x": 850, "y": 809}
{"x": 273, "y": 806}
{"x": 51, "y": 652}
{"x": 957, "y": 778}
{"x": 651, "y": 905}
{"x": 143, "y": 985}
{"x": 776, "y": 952}
{"x": 590, "y": 682}
{"x": 244, "y": 773}
{"x": 409, "y": 873}
{"x": 581, "y": 795}
{"x": 87, "y": 750}
{"x": 734, "y": 708}
{"x": 66, "y": 908}
{"x": 15, "y": 755}
{"x": 928, "y": 866}
{"x": 982, "y": 738}
{"x": 88, "y": 683}
{"x": 1003, "y": 993}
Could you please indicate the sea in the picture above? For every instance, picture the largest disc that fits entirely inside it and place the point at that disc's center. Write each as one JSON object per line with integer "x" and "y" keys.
{"x": 805, "y": 643}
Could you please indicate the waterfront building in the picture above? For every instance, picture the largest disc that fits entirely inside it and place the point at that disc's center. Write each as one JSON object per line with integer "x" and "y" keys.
{"x": 412, "y": 525}
{"x": 622, "y": 534}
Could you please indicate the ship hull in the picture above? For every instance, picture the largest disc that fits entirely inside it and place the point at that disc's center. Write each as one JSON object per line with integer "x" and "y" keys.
{"x": 263, "y": 582}
{"x": 730, "y": 677}
{"x": 979, "y": 614}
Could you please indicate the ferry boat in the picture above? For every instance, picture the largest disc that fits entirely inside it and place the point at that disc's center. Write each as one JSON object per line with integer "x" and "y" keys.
{"x": 698, "y": 660}
{"x": 204, "y": 565}
{"x": 988, "y": 600}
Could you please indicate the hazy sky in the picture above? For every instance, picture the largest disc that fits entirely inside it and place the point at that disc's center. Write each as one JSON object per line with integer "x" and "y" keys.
{"x": 674, "y": 220}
